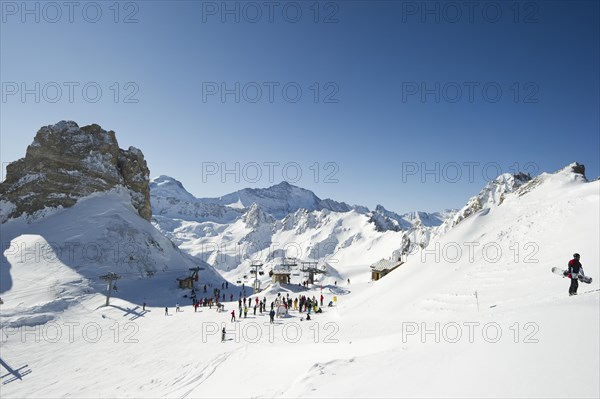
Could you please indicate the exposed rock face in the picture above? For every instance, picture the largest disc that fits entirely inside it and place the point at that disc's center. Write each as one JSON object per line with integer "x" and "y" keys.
{"x": 65, "y": 163}
{"x": 492, "y": 194}
{"x": 578, "y": 168}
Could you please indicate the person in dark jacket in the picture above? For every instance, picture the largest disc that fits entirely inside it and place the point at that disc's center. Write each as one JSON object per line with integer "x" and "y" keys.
{"x": 575, "y": 269}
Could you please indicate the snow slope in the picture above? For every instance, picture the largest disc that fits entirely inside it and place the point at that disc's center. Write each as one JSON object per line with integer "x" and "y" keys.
{"x": 514, "y": 247}
{"x": 371, "y": 343}
{"x": 50, "y": 262}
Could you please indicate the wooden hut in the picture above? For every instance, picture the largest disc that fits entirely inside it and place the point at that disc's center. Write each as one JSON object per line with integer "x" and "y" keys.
{"x": 383, "y": 267}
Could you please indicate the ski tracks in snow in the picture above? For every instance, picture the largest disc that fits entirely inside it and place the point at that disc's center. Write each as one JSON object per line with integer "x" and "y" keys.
{"x": 308, "y": 384}
{"x": 192, "y": 379}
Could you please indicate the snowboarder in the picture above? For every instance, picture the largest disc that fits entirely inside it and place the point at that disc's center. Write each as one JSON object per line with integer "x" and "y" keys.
{"x": 574, "y": 270}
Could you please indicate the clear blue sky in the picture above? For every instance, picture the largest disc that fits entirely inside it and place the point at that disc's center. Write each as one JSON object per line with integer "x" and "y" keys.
{"x": 379, "y": 66}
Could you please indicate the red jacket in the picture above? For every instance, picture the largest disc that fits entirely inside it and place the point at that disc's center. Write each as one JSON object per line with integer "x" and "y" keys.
{"x": 574, "y": 266}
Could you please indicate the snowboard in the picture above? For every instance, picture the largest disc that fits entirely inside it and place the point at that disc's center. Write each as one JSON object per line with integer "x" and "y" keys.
{"x": 565, "y": 273}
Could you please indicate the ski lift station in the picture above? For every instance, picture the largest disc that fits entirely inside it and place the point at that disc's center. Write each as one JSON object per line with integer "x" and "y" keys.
{"x": 187, "y": 282}
{"x": 280, "y": 274}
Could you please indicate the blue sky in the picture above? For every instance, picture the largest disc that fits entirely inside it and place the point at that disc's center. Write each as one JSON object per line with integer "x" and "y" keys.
{"x": 413, "y": 105}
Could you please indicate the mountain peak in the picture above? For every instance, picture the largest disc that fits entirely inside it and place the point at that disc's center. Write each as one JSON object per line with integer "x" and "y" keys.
{"x": 574, "y": 168}
{"x": 283, "y": 183}
{"x": 66, "y": 162}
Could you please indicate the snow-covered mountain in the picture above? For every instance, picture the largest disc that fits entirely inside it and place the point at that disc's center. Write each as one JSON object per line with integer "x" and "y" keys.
{"x": 278, "y": 200}
{"x": 490, "y": 196}
{"x": 80, "y": 221}
{"x": 171, "y": 201}
{"x": 248, "y": 224}
{"x": 387, "y": 220}
{"x": 101, "y": 233}
{"x": 490, "y": 272}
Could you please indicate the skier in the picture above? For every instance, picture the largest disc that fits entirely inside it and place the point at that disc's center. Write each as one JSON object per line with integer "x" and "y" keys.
{"x": 144, "y": 306}
{"x": 245, "y": 312}
{"x": 233, "y": 315}
{"x": 223, "y": 335}
{"x": 272, "y": 315}
{"x": 322, "y": 297}
{"x": 574, "y": 270}
{"x": 176, "y": 307}
{"x": 166, "y": 311}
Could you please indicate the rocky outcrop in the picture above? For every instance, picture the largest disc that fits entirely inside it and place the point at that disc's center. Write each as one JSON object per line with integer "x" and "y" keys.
{"x": 385, "y": 220}
{"x": 493, "y": 194}
{"x": 65, "y": 163}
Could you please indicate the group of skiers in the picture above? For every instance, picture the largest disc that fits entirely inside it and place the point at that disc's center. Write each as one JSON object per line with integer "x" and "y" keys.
{"x": 279, "y": 306}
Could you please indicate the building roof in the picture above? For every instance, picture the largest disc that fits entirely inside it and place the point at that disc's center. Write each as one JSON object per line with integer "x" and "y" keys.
{"x": 385, "y": 264}
{"x": 280, "y": 269}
